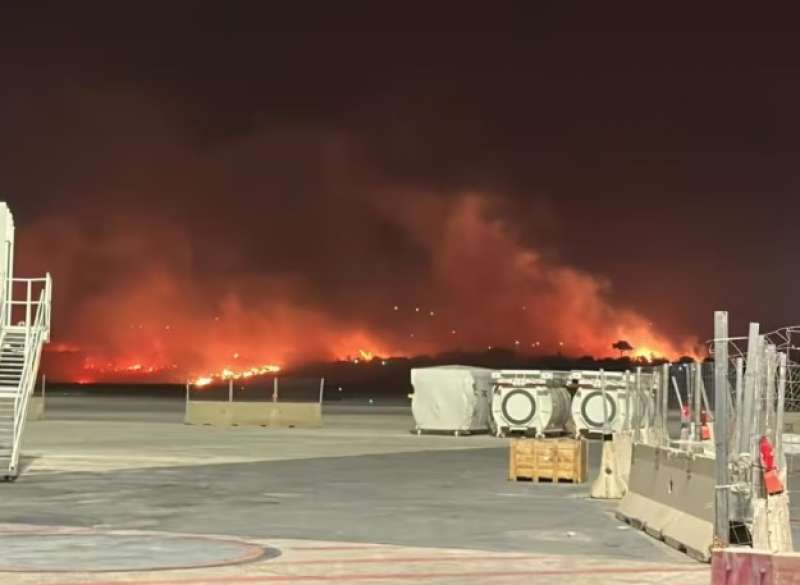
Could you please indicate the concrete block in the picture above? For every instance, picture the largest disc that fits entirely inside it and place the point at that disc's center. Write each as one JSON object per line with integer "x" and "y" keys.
{"x": 745, "y": 566}
{"x": 671, "y": 497}
{"x": 36, "y": 408}
{"x": 612, "y": 479}
{"x": 772, "y": 530}
{"x": 269, "y": 414}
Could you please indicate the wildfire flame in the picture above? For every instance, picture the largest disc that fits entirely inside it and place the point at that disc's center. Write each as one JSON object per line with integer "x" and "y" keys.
{"x": 229, "y": 374}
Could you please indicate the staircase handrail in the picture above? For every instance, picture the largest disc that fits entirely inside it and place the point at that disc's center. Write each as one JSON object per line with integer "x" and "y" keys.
{"x": 36, "y": 335}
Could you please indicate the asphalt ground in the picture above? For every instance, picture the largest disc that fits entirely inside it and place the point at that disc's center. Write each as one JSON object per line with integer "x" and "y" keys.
{"x": 356, "y": 501}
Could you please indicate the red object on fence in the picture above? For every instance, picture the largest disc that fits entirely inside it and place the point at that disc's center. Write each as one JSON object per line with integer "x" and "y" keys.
{"x": 705, "y": 429}
{"x": 772, "y": 482}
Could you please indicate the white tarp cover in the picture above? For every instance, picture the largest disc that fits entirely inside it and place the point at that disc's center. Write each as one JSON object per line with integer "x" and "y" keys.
{"x": 451, "y": 398}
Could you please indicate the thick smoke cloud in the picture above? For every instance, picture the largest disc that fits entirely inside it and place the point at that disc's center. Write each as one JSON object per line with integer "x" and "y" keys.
{"x": 283, "y": 245}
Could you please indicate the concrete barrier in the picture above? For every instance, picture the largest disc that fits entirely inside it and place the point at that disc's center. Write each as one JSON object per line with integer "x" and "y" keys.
{"x": 671, "y": 497}
{"x": 615, "y": 468}
{"x": 36, "y": 408}
{"x": 265, "y": 414}
{"x": 745, "y": 566}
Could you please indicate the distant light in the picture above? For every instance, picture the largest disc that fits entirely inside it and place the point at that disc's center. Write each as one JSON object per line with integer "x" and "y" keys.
{"x": 396, "y": 308}
{"x": 524, "y": 308}
{"x": 236, "y": 355}
{"x": 489, "y": 348}
{"x": 516, "y": 342}
{"x": 411, "y": 335}
{"x": 432, "y": 313}
{"x": 383, "y": 362}
{"x": 453, "y": 332}
{"x": 561, "y": 344}
{"x": 416, "y": 309}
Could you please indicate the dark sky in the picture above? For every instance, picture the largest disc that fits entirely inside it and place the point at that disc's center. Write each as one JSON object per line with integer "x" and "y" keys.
{"x": 307, "y": 160}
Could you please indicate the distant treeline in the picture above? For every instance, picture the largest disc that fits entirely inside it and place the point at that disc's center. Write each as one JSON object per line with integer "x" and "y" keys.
{"x": 379, "y": 378}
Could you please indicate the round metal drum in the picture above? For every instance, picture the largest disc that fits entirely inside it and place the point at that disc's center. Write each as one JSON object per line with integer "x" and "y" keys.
{"x": 535, "y": 410}
{"x": 518, "y": 406}
{"x": 591, "y": 417}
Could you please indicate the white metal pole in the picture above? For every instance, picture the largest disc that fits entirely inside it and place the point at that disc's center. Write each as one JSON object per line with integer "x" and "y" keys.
{"x": 721, "y": 393}
{"x": 749, "y": 389}
{"x": 275, "y": 389}
{"x": 757, "y": 429}
{"x": 230, "y": 390}
{"x": 664, "y": 422}
{"x": 769, "y": 393}
{"x": 605, "y": 405}
{"x": 626, "y": 424}
{"x": 637, "y": 405}
{"x": 677, "y": 392}
{"x": 698, "y": 383}
{"x": 28, "y": 315}
{"x": 321, "y": 388}
{"x": 739, "y": 410}
{"x": 186, "y": 402}
{"x": 782, "y": 359}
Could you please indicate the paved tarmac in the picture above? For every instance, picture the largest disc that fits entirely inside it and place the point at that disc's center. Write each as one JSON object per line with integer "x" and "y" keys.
{"x": 360, "y": 500}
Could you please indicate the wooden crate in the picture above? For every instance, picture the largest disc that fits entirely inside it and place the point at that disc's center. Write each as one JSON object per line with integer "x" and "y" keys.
{"x": 550, "y": 460}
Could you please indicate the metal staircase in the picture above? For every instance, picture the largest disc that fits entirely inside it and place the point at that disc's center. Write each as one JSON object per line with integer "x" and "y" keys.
{"x": 25, "y": 309}
{"x": 20, "y": 354}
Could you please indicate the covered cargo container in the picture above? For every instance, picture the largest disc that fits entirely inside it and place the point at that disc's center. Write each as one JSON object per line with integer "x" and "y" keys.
{"x": 451, "y": 399}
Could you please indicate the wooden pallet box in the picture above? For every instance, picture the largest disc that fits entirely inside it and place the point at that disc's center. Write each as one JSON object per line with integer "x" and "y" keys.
{"x": 550, "y": 460}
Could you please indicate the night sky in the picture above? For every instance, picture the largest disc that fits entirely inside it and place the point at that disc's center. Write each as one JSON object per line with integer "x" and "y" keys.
{"x": 204, "y": 183}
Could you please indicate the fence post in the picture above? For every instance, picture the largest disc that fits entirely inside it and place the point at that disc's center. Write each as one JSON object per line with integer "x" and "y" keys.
{"x": 698, "y": 400}
{"x": 186, "y": 401}
{"x": 275, "y": 389}
{"x": 230, "y": 390}
{"x": 769, "y": 394}
{"x": 782, "y": 358}
{"x": 749, "y": 389}
{"x": 664, "y": 422}
{"x": 738, "y": 406}
{"x": 44, "y": 387}
{"x": 721, "y": 493}
{"x": 628, "y": 404}
{"x": 321, "y": 388}
{"x": 605, "y": 402}
{"x": 637, "y": 406}
{"x": 758, "y": 428}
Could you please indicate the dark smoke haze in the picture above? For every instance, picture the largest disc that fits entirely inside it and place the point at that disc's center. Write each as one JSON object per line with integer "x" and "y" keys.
{"x": 222, "y": 195}
{"x": 287, "y": 246}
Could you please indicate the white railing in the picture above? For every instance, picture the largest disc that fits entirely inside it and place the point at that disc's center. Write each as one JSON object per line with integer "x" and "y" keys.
{"x": 36, "y": 327}
{"x": 29, "y": 303}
